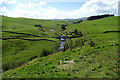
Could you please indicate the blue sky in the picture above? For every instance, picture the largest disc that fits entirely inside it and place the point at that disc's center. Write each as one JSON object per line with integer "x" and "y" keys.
{"x": 66, "y": 6}
{"x": 57, "y": 9}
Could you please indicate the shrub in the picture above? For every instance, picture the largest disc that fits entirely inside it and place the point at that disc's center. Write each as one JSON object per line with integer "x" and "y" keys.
{"x": 38, "y": 26}
{"x": 91, "y": 43}
{"x": 46, "y": 52}
{"x": 76, "y": 31}
{"x": 63, "y": 27}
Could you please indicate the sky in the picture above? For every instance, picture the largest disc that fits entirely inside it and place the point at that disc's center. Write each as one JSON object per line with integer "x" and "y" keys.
{"x": 57, "y": 9}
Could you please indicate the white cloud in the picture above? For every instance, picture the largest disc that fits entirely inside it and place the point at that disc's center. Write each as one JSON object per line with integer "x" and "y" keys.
{"x": 42, "y": 3}
{"x": 36, "y": 10}
{"x": 3, "y": 9}
{"x": 8, "y": 1}
{"x": 94, "y": 7}
{"x": 25, "y": 5}
{"x": 31, "y": 5}
{"x": 26, "y": 9}
{"x": 64, "y": 0}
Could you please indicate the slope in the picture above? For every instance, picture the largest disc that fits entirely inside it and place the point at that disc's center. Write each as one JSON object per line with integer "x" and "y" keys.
{"x": 94, "y": 55}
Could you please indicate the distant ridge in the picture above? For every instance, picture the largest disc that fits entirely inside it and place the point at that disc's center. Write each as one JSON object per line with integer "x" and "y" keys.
{"x": 69, "y": 19}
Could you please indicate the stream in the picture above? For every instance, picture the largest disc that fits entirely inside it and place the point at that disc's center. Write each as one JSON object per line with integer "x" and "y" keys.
{"x": 62, "y": 43}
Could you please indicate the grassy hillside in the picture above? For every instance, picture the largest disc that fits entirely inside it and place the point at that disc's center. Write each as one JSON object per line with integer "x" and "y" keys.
{"x": 23, "y": 41}
{"x": 94, "y": 55}
{"x": 97, "y": 26}
{"x": 26, "y": 25}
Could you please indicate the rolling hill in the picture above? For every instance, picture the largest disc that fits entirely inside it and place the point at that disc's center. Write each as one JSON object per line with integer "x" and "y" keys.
{"x": 94, "y": 54}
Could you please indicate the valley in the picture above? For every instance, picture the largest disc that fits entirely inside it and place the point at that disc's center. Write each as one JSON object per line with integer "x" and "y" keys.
{"x": 35, "y": 48}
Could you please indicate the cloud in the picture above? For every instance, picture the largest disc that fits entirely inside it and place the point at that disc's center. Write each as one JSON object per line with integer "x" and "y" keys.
{"x": 42, "y": 3}
{"x": 31, "y": 5}
{"x": 37, "y": 10}
{"x": 8, "y": 1}
{"x": 99, "y": 7}
{"x": 3, "y": 9}
{"x": 26, "y": 9}
{"x": 64, "y": 0}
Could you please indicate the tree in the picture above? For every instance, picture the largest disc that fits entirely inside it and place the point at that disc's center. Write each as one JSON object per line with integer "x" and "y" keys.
{"x": 99, "y": 16}
{"x": 76, "y": 31}
{"x": 63, "y": 27}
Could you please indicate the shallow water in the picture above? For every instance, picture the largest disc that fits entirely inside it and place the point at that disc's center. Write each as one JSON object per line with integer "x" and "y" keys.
{"x": 62, "y": 43}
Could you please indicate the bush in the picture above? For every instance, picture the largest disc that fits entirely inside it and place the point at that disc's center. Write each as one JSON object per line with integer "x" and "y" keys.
{"x": 63, "y": 27}
{"x": 46, "y": 52}
{"x": 38, "y": 26}
{"x": 78, "y": 33}
{"x": 91, "y": 43}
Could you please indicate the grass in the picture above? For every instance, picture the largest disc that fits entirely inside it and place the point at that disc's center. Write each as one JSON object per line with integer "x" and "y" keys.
{"x": 19, "y": 51}
{"x": 88, "y": 62}
{"x": 97, "y": 26}
{"x": 16, "y": 52}
{"x": 25, "y": 25}
{"x": 94, "y": 55}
